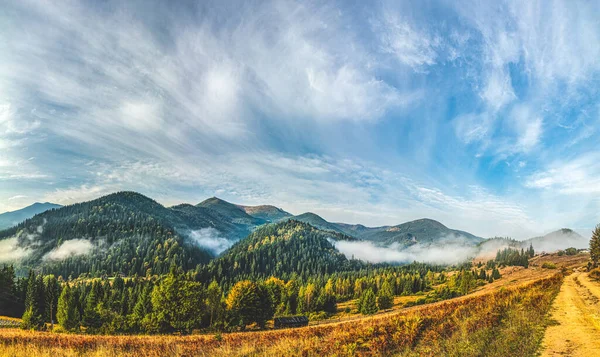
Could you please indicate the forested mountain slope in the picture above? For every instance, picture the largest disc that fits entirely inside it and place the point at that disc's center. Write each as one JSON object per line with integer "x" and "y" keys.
{"x": 124, "y": 232}
{"x": 282, "y": 250}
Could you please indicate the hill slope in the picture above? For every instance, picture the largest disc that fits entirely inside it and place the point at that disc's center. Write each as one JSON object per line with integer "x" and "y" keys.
{"x": 9, "y": 219}
{"x": 124, "y": 232}
{"x": 560, "y": 239}
{"x": 233, "y": 212}
{"x": 281, "y": 249}
{"x": 266, "y": 212}
{"x": 318, "y": 222}
{"x": 423, "y": 231}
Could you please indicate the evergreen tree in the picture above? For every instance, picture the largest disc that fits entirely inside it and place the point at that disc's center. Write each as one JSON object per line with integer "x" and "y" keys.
{"x": 91, "y": 316}
{"x": 595, "y": 246}
{"x": 385, "y": 297}
{"x": 51, "y": 292}
{"x": 530, "y": 251}
{"x": 496, "y": 274}
{"x": 66, "y": 311}
{"x": 177, "y": 303}
{"x": 33, "y": 317}
{"x": 368, "y": 303}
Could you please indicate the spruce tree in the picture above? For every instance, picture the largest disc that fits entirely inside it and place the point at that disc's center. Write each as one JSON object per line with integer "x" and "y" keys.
{"x": 66, "y": 310}
{"x": 91, "y": 317}
{"x": 33, "y": 317}
{"x": 595, "y": 246}
{"x": 368, "y": 304}
{"x": 385, "y": 298}
{"x": 51, "y": 290}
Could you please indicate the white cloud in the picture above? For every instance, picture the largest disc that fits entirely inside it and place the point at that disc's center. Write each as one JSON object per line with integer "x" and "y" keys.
{"x": 70, "y": 248}
{"x": 579, "y": 176}
{"x": 410, "y": 46}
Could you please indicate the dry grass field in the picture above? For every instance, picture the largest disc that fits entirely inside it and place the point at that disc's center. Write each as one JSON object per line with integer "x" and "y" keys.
{"x": 507, "y": 317}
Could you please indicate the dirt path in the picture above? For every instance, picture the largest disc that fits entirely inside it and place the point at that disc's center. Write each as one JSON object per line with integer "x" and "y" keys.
{"x": 576, "y": 312}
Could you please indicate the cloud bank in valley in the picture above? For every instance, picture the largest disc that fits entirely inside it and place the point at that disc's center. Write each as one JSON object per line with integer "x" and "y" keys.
{"x": 10, "y": 251}
{"x": 70, "y": 248}
{"x": 211, "y": 239}
{"x": 450, "y": 253}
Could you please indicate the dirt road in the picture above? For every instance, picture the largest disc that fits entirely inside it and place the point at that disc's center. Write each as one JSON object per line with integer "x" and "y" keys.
{"x": 576, "y": 312}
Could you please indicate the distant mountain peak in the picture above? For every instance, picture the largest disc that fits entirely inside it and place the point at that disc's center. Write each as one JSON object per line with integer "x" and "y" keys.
{"x": 9, "y": 219}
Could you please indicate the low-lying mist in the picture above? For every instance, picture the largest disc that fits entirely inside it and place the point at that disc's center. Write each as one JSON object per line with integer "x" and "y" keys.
{"x": 70, "y": 248}
{"x": 211, "y": 239}
{"x": 11, "y": 252}
{"x": 446, "y": 252}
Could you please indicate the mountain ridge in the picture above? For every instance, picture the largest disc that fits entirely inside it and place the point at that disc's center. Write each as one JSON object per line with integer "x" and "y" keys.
{"x": 12, "y": 218}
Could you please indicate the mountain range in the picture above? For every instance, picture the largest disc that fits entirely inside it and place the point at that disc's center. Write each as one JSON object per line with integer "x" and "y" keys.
{"x": 129, "y": 233}
{"x": 9, "y": 219}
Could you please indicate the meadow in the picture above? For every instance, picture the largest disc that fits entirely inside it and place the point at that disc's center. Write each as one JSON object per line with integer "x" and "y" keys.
{"x": 496, "y": 322}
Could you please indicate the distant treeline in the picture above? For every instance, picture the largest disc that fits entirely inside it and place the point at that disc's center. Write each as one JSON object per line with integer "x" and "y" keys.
{"x": 178, "y": 302}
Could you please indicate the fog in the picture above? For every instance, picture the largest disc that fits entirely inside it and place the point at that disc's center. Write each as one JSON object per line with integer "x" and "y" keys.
{"x": 10, "y": 251}
{"x": 70, "y": 248}
{"x": 449, "y": 253}
{"x": 211, "y": 239}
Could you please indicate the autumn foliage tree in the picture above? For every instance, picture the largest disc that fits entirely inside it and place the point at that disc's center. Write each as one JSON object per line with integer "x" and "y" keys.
{"x": 249, "y": 302}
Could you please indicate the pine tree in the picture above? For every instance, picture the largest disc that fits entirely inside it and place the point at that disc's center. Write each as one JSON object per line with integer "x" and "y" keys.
{"x": 595, "y": 246}
{"x": 530, "y": 251}
{"x": 368, "y": 303}
{"x": 33, "y": 317}
{"x": 385, "y": 298}
{"x": 66, "y": 310}
{"x": 496, "y": 274}
{"x": 51, "y": 292}
{"x": 91, "y": 317}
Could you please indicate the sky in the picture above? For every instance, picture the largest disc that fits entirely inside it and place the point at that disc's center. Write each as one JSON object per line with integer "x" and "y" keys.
{"x": 484, "y": 115}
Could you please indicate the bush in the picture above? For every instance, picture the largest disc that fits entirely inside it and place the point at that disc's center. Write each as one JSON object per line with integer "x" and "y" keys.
{"x": 548, "y": 265}
{"x": 595, "y": 274}
{"x": 571, "y": 251}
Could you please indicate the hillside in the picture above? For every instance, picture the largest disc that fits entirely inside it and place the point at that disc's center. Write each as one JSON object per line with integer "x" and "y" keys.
{"x": 281, "y": 249}
{"x": 266, "y": 212}
{"x": 423, "y": 231}
{"x": 124, "y": 232}
{"x": 9, "y": 219}
{"x": 233, "y": 212}
{"x": 557, "y": 240}
{"x": 318, "y": 222}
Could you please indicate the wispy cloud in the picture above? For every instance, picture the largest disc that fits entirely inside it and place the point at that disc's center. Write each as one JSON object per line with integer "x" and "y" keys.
{"x": 371, "y": 114}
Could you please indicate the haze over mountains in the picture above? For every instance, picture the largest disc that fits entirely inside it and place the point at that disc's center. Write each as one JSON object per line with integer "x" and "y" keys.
{"x": 9, "y": 219}
{"x": 129, "y": 233}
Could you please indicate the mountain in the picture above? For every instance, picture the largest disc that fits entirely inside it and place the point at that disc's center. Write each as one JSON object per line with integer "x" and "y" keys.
{"x": 281, "y": 249}
{"x": 266, "y": 212}
{"x": 124, "y": 232}
{"x": 558, "y": 240}
{"x": 9, "y": 219}
{"x": 318, "y": 222}
{"x": 232, "y": 211}
{"x": 422, "y": 231}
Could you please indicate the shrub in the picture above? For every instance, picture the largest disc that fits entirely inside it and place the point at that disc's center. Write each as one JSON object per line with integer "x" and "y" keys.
{"x": 548, "y": 265}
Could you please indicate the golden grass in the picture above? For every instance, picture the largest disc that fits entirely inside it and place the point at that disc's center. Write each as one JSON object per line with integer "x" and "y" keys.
{"x": 502, "y": 322}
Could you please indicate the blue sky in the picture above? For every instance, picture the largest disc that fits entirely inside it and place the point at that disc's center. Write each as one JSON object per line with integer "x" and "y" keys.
{"x": 483, "y": 115}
